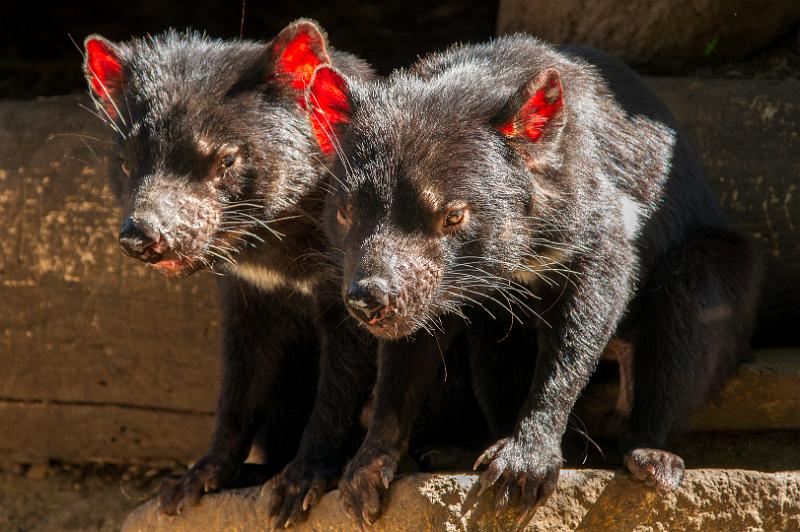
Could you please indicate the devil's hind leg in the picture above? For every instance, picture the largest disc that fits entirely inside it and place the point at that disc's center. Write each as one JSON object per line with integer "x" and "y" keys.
{"x": 694, "y": 323}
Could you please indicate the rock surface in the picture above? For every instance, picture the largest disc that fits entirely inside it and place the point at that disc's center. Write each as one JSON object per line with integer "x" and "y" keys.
{"x": 664, "y": 36}
{"x": 585, "y": 500}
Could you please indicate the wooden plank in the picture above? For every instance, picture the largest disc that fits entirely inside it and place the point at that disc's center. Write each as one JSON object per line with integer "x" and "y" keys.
{"x": 761, "y": 396}
{"x": 36, "y": 432}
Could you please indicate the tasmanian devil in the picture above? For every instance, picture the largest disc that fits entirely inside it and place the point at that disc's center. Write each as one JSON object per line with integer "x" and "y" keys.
{"x": 218, "y": 168}
{"x": 551, "y": 179}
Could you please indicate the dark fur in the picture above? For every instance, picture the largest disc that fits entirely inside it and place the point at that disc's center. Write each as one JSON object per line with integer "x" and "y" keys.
{"x": 604, "y": 227}
{"x": 186, "y": 101}
{"x": 183, "y": 87}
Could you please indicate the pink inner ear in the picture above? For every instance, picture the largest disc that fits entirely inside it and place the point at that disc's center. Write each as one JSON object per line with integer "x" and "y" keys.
{"x": 104, "y": 67}
{"x": 299, "y": 59}
{"x": 535, "y": 113}
{"x": 329, "y": 105}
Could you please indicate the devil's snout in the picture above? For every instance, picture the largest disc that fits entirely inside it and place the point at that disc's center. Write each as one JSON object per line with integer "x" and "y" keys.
{"x": 141, "y": 241}
{"x": 370, "y": 300}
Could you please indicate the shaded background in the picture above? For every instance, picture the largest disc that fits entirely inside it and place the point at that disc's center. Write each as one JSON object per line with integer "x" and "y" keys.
{"x": 38, "y": 58}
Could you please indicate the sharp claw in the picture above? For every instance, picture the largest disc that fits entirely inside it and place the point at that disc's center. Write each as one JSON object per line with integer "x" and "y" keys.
{"x": 308, "y": 500}
{"x": 481, "y": 460}
{"x": 282, "y": 518}
{"x": 366, "y": 517}
{"x": 385, "y": 478}
{"x": 350, "y": 512}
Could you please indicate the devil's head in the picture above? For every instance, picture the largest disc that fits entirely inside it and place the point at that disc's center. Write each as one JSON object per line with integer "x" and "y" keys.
{"x": 211, "y": 139}
{"x": 443, "y": 188}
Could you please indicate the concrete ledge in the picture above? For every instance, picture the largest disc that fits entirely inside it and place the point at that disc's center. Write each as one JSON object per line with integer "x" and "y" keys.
{"x": 709, "y": 499}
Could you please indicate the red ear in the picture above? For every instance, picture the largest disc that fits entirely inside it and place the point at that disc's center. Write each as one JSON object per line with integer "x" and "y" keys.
{"x": 328, "y": 102}
{"x": 539, "y": 105}
{"x": 103, "y": 70}
{"x": 297, "y": 50}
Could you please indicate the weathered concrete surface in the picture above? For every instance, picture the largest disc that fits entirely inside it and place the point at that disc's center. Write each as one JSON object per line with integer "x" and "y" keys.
{"x": 94, "y": 343}
{"x": 587, "y": 500}
{"x": 661, "y": 35}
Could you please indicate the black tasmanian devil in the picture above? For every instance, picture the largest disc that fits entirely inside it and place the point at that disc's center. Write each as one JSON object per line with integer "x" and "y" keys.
{"x": 554, "y": 180}
{"x": 218, "y": 168}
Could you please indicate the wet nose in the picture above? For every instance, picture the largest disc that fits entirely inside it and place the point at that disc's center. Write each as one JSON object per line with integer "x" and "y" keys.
{"x": 141, "y": 241}
{"x": 369, "y": 300}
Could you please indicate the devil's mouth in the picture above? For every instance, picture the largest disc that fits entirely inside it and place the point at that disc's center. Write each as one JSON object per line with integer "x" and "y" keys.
{"x": 393, "y": 329}
{"x": 174, "y": 264}
{"x": 173, "y": 267}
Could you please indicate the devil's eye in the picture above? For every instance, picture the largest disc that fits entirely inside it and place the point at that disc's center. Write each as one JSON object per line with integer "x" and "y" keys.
{"x": 343, "y": 215}
{"x": 454, "y": 217}
{"x": 227, "y": 160}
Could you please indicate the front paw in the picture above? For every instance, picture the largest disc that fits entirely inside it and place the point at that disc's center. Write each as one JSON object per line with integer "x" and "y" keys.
{"x": 363, "y": 483}
{"x": 661, "y": 470}
{"x": 528, "y": 474}
{"x": 208, "y": 474}
{"x": 296, "y": 489}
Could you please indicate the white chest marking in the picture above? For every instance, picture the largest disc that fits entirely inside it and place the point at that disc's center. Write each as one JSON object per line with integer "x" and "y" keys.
{"x": 268, "y": 280}
{"x": 631, "y": 216}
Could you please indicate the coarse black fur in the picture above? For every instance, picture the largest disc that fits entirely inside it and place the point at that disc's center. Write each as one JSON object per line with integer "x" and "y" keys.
{"x": 186, "y": 102}
{"x": 590, "y": 219}
{"x": 219, "y": 170}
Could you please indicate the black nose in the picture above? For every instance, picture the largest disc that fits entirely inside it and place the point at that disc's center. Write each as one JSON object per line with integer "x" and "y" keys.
{"x": 369, "y": 300}
{"x": 141, "y": 241}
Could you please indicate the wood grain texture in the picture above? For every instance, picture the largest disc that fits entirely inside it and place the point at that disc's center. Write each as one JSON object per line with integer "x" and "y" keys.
{"x": 85, "y": 331}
